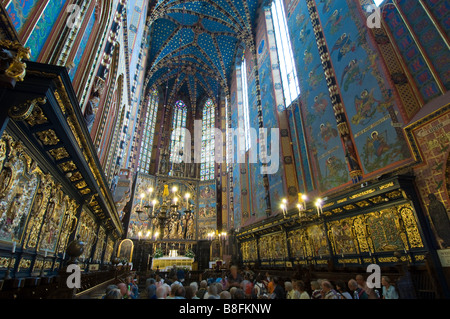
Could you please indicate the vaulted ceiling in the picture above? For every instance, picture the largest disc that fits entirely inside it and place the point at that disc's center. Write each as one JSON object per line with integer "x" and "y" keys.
{"x": 194, "y": 44}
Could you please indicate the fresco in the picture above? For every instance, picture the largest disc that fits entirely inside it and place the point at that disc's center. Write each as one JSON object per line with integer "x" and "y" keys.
{"x": 325, "y": 147}
{"x": 19, "y": 11}
{"x": 368, "y": 98}
{"x": 43, "y": 28}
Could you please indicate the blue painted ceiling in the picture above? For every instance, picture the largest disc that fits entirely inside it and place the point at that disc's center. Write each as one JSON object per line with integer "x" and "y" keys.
{"x": 194, "y": 44}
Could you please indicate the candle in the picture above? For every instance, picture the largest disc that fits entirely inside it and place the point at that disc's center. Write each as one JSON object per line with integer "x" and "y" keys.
{"x": 64, "y": 255}
{"x": 45, "y": 255}
{"x": 14, "y": 247}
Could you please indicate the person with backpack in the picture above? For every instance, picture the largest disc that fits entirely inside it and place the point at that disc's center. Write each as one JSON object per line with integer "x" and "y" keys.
{"x": 259, "y": 289}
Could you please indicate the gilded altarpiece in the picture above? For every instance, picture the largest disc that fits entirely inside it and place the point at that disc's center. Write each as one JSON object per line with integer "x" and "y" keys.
{"x": 87, "y": 232}
{"x": 19, "y": 181}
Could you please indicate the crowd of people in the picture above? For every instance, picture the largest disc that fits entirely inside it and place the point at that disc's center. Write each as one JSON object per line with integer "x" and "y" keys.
{"x": 248, "y": 285}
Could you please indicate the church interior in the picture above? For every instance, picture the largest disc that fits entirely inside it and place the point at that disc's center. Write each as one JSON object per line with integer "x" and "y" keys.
{"x": 306, "y": 139}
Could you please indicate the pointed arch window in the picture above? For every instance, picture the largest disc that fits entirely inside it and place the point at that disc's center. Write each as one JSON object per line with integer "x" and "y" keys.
{"x": 208, "y": 144}
{"x": 288, "y": 70}
{"x": 179, "y": 133}
{"x": 145, "y": 154}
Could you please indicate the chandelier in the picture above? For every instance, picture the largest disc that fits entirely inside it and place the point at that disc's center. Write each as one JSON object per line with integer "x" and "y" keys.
{"x": 165, "y": 211}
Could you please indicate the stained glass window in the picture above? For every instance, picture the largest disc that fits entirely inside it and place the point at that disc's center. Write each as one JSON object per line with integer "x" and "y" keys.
{"x": 179, "y": 133}
{"x": 149, "y": 132}
{"x": 207, "y": 165}
{"x": 288, "y": 71}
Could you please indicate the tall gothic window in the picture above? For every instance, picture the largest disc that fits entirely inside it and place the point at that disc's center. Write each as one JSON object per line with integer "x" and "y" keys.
{"x": 288, "y": 71}
{"x": 149, "y": 133}
{"x": 244, "y": 108}
{"x": 207, "y": 165}
{"x": 178, "y": 134}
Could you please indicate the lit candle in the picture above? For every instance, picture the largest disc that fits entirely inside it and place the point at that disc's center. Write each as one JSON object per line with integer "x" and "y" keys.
{"x": 154, "y": 204}
{"x": 187, "y": 200}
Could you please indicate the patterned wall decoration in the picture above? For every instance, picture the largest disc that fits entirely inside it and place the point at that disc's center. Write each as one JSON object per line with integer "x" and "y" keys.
{"x": 411, "y": 53}
{"x": 272, "y": 246}
{"x": 82, "y": 46}
{"x": 43, "y": 28}
{"x": 429, "y": 39}
{"x": 325, "y": 148}
{"x": 20, "y": 11}
{"x": 441, "y": 11}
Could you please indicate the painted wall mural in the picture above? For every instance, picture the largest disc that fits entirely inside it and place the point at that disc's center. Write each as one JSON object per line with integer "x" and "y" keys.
{"x": 325, "y": 148}
{"x": 370, "y": 104}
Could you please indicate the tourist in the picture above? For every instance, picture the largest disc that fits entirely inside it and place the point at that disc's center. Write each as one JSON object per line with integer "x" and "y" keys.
{"x": 190, "y": 292}
{"x": 358, "y": 292}
{"x": 389, "y": 291}
{"x": 290, "y": 292}
{"x": 124, "y": 290}
{"x": 259, "y": 288}
{"x": 315, "y": 287}
{"x": 372, "y": 293}
{"x": 108, "y": 289}
{"x": 278, "y": 291}
{"x": 232, "y": 291}
{"x": 113, "y": 294}
{"x": 180, "y": 292}
{"x": 212, "y": 292}
{"x": 235, "y": 279}
{"x": 269, "y": 284}
{"x": 247, "y": 286}
{"x": 342, "y": 289}
{"x": 225, "y": 295}
{"x": 151, "y": 289}
{"x": 299, "y": 287}
{"x": 173, "y": 289}
{"x": 161, "y": 292}
{"x": 201, "y": 292}
{"x": 328, "y": 291}
{"x": 239, "y": 294}
{"x": 132, "y": 287}
{"x": 194, "y": 287}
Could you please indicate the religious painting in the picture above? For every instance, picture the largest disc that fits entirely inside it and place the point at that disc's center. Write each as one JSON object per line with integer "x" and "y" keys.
{"x": 318, "y": 240}
{"x": 384, "y": 231}
{"x": 371, "y": 107}
{"x": 297, "y": 243}
{"x": 86, "y": 231}
{"x": 126, "y": 248}
{"x": 342, "y": 237}
{"x": 52, "y": 223}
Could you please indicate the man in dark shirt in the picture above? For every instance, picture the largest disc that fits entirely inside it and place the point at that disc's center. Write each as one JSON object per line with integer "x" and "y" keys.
{"x": 235, "y": 279}
{"x": 278, "y": 291}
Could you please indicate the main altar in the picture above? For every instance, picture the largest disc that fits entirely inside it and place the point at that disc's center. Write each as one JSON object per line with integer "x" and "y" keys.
{"x": 166, "y": 263}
